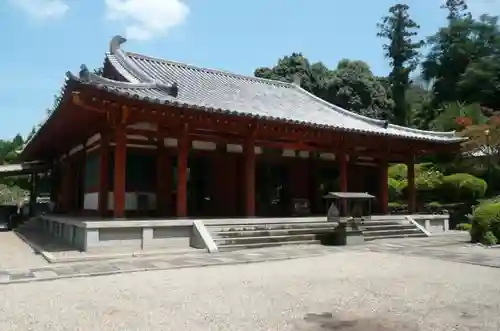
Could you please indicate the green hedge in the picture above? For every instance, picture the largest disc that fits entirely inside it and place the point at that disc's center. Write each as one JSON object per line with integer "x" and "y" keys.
{"x": 463, "y": 186}
{"x": 486, "y": 224}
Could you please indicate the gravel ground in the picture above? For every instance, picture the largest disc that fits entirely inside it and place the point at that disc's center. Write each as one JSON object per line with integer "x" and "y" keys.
{"x": 16, "y": 254}
{"x": 341, "y": 291}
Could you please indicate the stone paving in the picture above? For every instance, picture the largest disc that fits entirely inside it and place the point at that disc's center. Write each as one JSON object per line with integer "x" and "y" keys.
{"x": 455, "y": 251}
{"x": 342, "y": 291}
{"x": 452, "y": 247}
{"x": 198, "y": 259}
{"x": 15, "y": 253}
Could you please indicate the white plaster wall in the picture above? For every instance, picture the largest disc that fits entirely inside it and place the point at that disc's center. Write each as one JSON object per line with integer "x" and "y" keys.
{"x": 91, "y": 200}
{"x": 131, "y": 200}
{"x": 144, "y": 126}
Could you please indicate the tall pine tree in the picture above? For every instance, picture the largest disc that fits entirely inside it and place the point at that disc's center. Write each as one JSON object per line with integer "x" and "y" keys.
{"x": 403, "y": 53}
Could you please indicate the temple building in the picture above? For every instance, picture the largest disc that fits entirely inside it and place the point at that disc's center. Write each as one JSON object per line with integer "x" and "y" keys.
{"x": 157, "y": 138}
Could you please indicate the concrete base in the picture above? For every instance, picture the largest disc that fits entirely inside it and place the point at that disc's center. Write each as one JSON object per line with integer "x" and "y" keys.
{"x": 346, "y": 236}
{"x": 88, "y": 234}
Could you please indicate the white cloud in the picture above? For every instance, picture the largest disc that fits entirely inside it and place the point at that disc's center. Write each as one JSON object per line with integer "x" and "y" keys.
{"x": 146, "y": 19}
{"x": 41, "y": 9}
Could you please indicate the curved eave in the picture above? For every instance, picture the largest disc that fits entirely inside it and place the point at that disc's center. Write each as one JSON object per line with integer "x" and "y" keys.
{"x": 68, "y": 85}
{"x": 446, "y": 138}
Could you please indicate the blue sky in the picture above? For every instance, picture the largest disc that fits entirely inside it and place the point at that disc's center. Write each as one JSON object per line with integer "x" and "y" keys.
{"x": 42, "y": 39}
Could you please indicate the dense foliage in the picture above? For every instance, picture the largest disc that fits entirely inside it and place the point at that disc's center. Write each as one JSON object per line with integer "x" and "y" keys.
{"x": 350, "y": 85}
{"x": 459, "y": 69}
{"x": 11, "y": 188}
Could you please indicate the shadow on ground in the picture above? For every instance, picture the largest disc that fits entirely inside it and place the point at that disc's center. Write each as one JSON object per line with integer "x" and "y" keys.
{"x": 38, "y": 239}
{"x": 331, "y": 322}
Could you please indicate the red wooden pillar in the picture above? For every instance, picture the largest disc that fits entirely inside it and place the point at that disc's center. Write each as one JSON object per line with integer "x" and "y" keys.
{"x": 120, "y": 171}
{"x": 249, "y": 176}
{"x": 343, "y": 171}
{"x": 182, "y": 172}
{"x": 384, "y": 189}
{"x": 65, "y": 192}
{"x": 163, "y": 177}
{"x": 103, "y": 175}
{"x": 412, "y": 197}
{"x": 343, "y": 185}
{"x": 222, "y": 203}
{"x": 83, "y": 179}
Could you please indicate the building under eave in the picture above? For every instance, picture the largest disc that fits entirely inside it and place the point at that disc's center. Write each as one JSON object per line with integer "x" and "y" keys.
{"x": 154, "y": 137}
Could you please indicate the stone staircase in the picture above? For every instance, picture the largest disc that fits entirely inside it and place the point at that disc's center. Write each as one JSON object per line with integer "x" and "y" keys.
{"x": 389, "y": 228}
{"x": 248, "y": 234}
{"x": 257, "y": 235}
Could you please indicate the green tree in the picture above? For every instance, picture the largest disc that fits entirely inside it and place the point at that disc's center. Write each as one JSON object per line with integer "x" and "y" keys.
{"x": 451, "y": 51}
{"x": 351, "y": 85}
{"x": 312, "y": 77}
{"x": 480, "y": 81}
{"x": 418, "y": 97}
{"x": 400, "y": 30}
{"x": 456, "y": 116}
{"x": 457, "y": 9}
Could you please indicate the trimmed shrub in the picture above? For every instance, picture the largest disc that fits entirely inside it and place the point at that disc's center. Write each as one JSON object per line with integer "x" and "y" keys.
{"x": 489, "y": 239}
{"x": 486, "y": 224}
{"x": 435, "y": 207}
{"x": 398, "y": 171}
{"x": 427, "y": 182}
{"x": 463, "y": 186}
{"x": 464, "y": 227}
{"x": 396, "y": 188}
{"x": 397, "y": 208}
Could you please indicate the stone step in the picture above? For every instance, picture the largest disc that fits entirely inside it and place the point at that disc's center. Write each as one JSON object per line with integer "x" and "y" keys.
{"x": 382, "y": 223}
{"x": 265, "y": 239}
{"x": 266, "y": 226}
{"x": 378, "y": 233}
{"x": 267, "y": 244}
{"x": 272, "y": 232}
{"x": 388, "y": 227}
{"x": 396, "y": 236}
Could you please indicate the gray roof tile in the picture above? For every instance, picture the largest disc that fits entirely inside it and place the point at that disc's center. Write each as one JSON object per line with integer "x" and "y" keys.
{"x": 215, "y": 90}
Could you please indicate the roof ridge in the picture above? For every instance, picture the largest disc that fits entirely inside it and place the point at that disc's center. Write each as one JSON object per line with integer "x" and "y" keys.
{"x": 85, "y": 76}
{"x": 211, "y": 70}
{"x": 382, "y": 123}
{"x": 434, "y": 133}
{"x": 346, "y": 112}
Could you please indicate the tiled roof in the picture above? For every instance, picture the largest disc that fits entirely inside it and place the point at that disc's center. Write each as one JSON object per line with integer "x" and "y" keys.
{"x": 179, "y": 84}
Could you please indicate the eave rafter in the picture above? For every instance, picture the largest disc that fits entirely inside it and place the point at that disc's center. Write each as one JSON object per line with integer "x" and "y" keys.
{"x": 218, "y": 127}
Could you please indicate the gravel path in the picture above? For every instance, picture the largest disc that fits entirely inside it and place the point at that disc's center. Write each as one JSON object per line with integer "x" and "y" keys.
{"x": 16, "y": 254}
{"x": 351, "y": 291}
